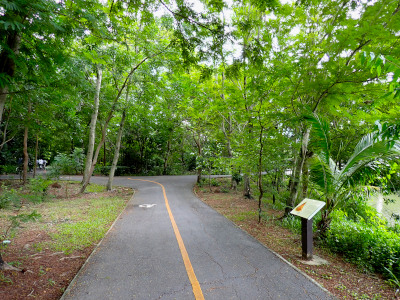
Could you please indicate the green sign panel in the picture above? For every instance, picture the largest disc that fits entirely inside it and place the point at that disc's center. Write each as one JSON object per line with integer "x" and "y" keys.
{"x": 308, "y": 208}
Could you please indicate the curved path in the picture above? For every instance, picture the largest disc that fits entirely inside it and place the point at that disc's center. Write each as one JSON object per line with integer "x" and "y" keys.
{"x": 170, "y": 245}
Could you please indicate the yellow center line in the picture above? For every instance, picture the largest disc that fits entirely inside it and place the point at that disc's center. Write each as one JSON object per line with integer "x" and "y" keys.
{"x": 198, "y": 294}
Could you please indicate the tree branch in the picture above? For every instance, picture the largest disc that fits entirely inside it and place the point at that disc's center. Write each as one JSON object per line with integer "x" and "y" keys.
{"x": 186, "y": 17}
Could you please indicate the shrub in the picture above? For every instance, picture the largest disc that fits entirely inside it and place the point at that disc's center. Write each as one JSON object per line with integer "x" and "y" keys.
{"x": 371, "y": 245}
{"x": 237, "y": 177}
{"x": 122, "y": 170}
{"x": 61, "y": 165}
{"x": 203, "y": 182}
{"x": 8, "y": 169}
{"x": 9, "y": 197}
{"x": 77, "y": 158}
{"x": 97, "y": 169}
{"x": 67, "y": 164}
{"x": 105, "y": 170}
{"x": 18, "y": 219}
{"x": 215, "y": 182}
{"x": 38, "y": 187}
{"x": 292, "y": 223}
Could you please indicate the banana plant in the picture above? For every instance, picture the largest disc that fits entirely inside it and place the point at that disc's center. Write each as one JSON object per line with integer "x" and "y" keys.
{"x": 337, "y": 185}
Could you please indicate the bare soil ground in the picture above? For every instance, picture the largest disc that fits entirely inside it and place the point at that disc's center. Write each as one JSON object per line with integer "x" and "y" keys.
{"x": 342, "y": 279}
{"x": 46, "y": 273}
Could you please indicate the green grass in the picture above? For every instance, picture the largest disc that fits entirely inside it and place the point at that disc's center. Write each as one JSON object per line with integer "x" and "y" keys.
{"x": 5, "y": 279}
{"x": 95, "y": 188}
{"x": 243, "y": 216}
{"x": 74, "y": 235}
{"x": 72, "y": 223}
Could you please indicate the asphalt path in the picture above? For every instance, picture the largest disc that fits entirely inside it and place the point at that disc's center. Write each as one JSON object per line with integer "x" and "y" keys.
{"x": 141, "y": 257}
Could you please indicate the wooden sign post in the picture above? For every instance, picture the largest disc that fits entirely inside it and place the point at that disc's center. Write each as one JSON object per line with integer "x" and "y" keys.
{"x": 307, "y": 209}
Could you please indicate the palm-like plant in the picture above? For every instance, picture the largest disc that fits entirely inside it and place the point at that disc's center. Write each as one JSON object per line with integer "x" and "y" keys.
{"x": 337, "y": 185}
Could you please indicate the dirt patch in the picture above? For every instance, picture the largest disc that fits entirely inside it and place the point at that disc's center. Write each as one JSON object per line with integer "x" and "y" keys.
{"x": 46, "y": 273}
{"x": 342, "y": 279}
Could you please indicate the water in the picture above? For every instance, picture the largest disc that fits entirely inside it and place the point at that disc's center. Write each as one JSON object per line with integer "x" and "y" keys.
{"x": 387, "y": 210}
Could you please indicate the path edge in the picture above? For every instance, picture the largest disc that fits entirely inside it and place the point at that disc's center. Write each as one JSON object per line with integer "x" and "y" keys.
{"x": 73, "y": 281}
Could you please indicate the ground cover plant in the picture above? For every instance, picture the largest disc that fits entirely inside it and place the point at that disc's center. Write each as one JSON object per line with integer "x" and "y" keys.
{"x": 50, "y": 238}
{"x": 344, "y": 277}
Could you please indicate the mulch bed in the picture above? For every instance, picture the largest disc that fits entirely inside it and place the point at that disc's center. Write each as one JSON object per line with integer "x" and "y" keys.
{"x": 45, "y": 275}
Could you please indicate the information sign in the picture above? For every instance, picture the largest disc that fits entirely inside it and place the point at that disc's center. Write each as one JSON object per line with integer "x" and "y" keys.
{"x": 308, "y": 208}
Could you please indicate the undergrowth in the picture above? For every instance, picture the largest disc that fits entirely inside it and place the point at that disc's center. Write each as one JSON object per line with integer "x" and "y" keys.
{"x": 373, "y": 246}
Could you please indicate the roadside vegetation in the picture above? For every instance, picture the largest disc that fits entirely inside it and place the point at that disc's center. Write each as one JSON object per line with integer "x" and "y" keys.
{"x": 48, "y": 230}
{"x": 357, "y": 252}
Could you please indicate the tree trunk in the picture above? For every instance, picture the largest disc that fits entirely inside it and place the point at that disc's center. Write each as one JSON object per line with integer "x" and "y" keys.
{"x": 94, "y": 161}
{"x": 200, "y": 152}
{"x": 3, "y": 99}
{"x": 297, "y": 172}
{"x": 260, "y": 187}
{"x": 289, "y": 186}
{"x": 325, "y": 222}
{"x": 7, "y": 65}
{"x": 4, "y": 141}
{"x": 275, "y": 186}
{"x": 36, "y": 156}
{"x": 87, "y": 176}
{"x": 246, "y": 187}
{"x": 116, "y": 153}
{"x": 26, "y": 157}
{"x": 93, "y": 122}
{"x": 96, "y": 154}
{"x": 165, "y": 167}
{"x": 104, "y": 154}
{"x": 306, "y": 174}
{"x": 227, "y": 133}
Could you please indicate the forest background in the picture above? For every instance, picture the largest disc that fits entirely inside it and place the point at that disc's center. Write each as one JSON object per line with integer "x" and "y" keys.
{"x": 294, "y": 100}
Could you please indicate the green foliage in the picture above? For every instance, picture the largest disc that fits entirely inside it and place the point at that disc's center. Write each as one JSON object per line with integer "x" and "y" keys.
{"x": 5, "y": 279}
{"x": 215, "y": 182}
{"x": 103, "y": 170}
{"x": 9, "y": 197}
{"x": 371, "y": 245}
{"x": 38, "y": 189}
{"x": 24, "y": 218}
{"x": 77, "y": 158}
{"x": 122, "y": 170}
{"x": 8, "y": 169}
{"x": 67, "y": 164}
{"x": 292, "y": 223}
{"x": 339, "y": 185}
{"x": 237, "y": 177}
{"x": 393, "y": 280}
{"x": 384, "y": 64}
{"x": 357, "y": 208}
